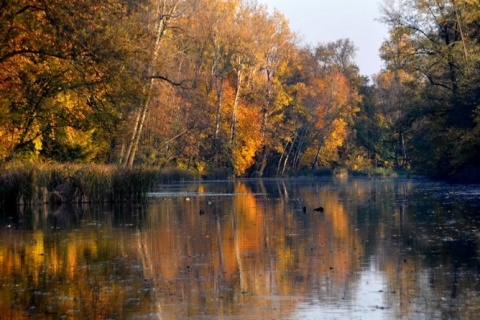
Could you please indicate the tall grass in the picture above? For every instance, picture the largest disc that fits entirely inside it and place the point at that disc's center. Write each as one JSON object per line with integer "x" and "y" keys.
{"x": 27, "y": 184}
{"x": 379, "y": 172}
{"x": 176, "y": 175}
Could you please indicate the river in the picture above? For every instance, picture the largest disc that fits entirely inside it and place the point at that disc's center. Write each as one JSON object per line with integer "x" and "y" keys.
{"x": 250, "y": 249}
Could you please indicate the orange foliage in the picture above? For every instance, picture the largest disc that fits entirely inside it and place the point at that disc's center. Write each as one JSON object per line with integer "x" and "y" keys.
{"x": 333, "y": 103}
{"x": 247, "y": 141}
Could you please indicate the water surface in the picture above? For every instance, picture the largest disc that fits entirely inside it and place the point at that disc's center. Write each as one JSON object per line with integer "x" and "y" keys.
{"x": 248, "y": 249}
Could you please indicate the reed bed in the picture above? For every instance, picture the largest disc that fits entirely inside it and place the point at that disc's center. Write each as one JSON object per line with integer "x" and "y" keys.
{"x": 28, "y": 184}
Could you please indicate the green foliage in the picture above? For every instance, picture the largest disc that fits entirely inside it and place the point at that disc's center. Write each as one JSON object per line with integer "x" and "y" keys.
{"x": 435, "y": 47}
{"x": 375, "y": 139}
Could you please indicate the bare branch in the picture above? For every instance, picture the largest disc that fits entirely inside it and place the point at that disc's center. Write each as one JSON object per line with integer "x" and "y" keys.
{"x": 172, "y": 82}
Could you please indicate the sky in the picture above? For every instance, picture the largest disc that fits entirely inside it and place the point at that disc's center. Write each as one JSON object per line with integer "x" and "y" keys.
{"x": 322, "y": 21}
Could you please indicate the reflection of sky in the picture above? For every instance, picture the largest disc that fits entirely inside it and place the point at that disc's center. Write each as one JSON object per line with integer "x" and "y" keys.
{"x": 366, "y": 302}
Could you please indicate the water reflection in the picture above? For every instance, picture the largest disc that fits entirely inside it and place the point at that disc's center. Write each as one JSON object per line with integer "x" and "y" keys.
{"x": 380, "y": 249}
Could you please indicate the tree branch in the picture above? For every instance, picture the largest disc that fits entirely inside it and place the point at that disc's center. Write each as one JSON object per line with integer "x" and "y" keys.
{"x": 14, "y": 53}
{"x": 433, "y": 82}
{"x": 172, "y": 82}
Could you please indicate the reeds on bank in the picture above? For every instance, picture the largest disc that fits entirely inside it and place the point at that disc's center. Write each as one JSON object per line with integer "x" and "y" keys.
{"x": 28, "y": 184}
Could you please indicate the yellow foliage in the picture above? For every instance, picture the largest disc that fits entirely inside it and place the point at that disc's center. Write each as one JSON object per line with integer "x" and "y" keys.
{"x": 247, "y": 142}
{"x": 359, "y": 160}
{"x": 388, "y": 78}
{"x": 333, "y": 141}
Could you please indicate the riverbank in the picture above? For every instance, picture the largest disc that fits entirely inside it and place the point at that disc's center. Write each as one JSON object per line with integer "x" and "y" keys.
{"x": 28, "y": 184}
{"x": 32, "y": 184}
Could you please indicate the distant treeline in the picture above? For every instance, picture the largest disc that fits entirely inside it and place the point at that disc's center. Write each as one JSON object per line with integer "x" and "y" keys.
{"x": 210, "y": 85}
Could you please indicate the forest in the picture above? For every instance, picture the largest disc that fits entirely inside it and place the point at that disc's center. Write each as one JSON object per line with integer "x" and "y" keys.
{"x": 226, "y": 85}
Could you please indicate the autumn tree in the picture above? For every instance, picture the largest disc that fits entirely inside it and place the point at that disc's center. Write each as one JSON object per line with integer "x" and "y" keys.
{"x": 330, "y": 99}
{"x": 64, "y": 80}
{"x": 158, "y": 21}
{"x": 229, "y": 70}
{"x": 276, "y": 49}
{"x": 213, "y": 85}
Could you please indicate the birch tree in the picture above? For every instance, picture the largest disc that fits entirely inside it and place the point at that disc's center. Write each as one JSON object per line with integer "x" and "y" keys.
{"x": 164, "y": 12}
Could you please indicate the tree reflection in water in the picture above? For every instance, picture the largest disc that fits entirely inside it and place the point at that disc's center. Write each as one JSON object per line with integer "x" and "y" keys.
{"x": 389, "y": 248}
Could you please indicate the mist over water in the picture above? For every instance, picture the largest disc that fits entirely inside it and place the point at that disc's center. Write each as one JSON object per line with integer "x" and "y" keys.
{"x": 247, "y": 249}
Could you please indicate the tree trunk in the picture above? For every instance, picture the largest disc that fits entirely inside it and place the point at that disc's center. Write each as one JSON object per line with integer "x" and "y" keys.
{"x": 298, "y": 149}
{"x": 460, "y": 28}
{"x": 164, "y": 15}
{"x": 234, "y": 109}
{"x": 263, "y": 163}
{"x": 317, "y": 156}
{"x": 285, "y": 161}
{"x": 218, "y": 117}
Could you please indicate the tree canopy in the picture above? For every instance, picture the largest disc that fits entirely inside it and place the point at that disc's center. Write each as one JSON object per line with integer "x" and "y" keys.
{"x": 209, "y": 84}
{"x": 433, "y": 58}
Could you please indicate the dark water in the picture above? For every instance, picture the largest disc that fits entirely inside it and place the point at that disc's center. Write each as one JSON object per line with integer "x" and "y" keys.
{"x": 381, "y": 249}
